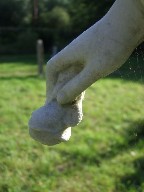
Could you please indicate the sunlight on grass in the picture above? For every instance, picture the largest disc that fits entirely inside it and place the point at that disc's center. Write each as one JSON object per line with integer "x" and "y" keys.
{"x": 105, "y": 153}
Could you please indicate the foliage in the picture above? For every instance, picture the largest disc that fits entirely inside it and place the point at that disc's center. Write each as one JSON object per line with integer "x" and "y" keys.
{"x": 57, "y": 18}
{"x": 26, "y": 42}
{"x": 105, "y": 152}
{"x": 11, "y": 12}
{"x": 85, "y": 13}
{"x": 58, "y": 21}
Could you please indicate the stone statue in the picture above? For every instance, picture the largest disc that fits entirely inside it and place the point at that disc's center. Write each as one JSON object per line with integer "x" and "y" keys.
{"x": 97, "y": 52}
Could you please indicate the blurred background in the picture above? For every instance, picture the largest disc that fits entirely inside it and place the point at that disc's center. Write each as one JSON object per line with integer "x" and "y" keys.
{"x": 106, "y": 150}
{"x": 57, "y": 22}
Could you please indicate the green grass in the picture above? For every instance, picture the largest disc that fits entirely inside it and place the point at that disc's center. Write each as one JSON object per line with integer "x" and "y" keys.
{"x": 105, "y": 152}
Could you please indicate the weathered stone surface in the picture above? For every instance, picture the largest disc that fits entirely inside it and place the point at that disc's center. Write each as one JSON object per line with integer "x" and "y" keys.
{"x": 97, "y": 52}
{"x": 51, "y": 123}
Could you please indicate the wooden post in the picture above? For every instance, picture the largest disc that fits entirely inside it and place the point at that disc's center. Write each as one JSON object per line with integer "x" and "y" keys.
{"x": 40, "y": 56}
{"x": 54, "y": 50}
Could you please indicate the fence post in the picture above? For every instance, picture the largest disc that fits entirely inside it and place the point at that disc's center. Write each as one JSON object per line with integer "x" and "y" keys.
{"x": 54, "y": 50}
{"x": 40, "y": 56}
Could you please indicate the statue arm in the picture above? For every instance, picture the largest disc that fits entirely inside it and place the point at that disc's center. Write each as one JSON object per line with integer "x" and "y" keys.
{"x": 100, "y": 50}
{"x": 97, "y": 52}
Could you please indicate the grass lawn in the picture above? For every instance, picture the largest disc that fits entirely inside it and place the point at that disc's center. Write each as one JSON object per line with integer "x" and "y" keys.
{"x": 106, "y": 150}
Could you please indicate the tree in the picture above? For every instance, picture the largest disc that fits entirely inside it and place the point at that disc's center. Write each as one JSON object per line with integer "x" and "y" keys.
{"x": 11, "y": 12}
{"x": 58, "y": 21}
{"x": 85, "y": 13}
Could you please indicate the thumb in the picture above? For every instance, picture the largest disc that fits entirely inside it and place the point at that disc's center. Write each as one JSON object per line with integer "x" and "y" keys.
{"x": 77, "y": 85}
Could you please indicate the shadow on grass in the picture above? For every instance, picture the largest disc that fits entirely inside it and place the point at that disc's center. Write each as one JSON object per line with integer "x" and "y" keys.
{"x": 128, "y": 76}
{"x": 17, "y": 59}
{"x": 27, "y": 59}
{"x": 134, "y": 181}
{"x": 132, "y": 70}
{"x": 133, "y": 135}
{"x": 18, "y": 77}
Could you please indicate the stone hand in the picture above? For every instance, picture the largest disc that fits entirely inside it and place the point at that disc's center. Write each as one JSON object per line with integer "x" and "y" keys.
{"x": 97, "y": 52}
{"x": 100, "y": 50}
{"x": 51, "y": 123}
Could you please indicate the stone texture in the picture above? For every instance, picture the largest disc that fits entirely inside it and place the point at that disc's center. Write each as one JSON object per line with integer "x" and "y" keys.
{"x": 97, "y": 52}
{"x": 51, "y": 124}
